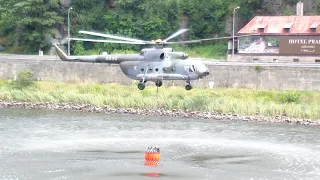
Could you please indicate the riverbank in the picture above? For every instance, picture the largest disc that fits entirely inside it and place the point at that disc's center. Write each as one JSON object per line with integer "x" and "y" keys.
{"x": 214, "y": 101}
{"x": 156, "y": 112}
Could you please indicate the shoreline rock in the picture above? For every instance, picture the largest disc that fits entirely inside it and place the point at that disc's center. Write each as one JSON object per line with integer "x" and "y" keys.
{"x": 156, "y": 112}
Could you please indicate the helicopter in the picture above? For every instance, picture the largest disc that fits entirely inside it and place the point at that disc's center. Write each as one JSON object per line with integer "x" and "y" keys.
{"x": 154, "y": 64}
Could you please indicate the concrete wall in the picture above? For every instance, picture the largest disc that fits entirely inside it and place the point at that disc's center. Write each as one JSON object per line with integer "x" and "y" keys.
{"x": 267, "y": 76}
{"x": 223, "y": 74}
{"x": 274, "y": 58}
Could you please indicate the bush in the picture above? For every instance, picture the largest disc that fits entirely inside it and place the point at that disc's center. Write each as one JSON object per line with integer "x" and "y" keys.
{"x": 2, "y": 83}
{"x": 258, "y": 68}
{"x": 290, "y": 97}
{"x": 78, "y": 48}
{"x": 24, "y": 79}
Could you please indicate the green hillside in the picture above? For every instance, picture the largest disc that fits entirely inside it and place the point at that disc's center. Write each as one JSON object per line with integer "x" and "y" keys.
{"x": 29, "y": 25}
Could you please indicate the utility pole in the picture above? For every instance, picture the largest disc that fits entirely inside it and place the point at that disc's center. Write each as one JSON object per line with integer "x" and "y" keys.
{"x": 69, "y": 31}
{"x": 234, "y": 12}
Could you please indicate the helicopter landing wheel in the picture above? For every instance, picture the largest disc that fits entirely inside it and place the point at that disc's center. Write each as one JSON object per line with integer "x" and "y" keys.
{"x": 158, "y": 83}
{"x": 188, "y": 87}
{"x": 141, "y": 85}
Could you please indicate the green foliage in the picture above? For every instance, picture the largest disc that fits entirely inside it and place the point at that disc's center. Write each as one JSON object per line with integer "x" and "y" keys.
{"x": 290, "y": 97}
{"x": 213, "y": 51}
{"x": 197, "y": 102}
{"x": 288, "y": 12}
{"x": 247, "y": 8}
{"x": 292, "y": 2}
{"x": 258, "y": 68}
{"x": 2, "y": 83}
{"x": 317, "y": 8}
{"x": 27, "y": 22}
{"x": 92, "y": 89}
{"x": 24, "y": 79}
{"x": 78, "y": 48}
{"x": 222, "y": 100}
{"x": 151, "y": 19}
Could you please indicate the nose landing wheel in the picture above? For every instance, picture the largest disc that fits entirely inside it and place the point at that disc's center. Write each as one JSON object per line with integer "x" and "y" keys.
{"x": 188, "y": 86}
{"x": 141, "y": 85}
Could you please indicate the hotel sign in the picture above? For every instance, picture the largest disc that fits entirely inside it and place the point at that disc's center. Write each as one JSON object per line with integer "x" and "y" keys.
{"x": 302, "y": 45}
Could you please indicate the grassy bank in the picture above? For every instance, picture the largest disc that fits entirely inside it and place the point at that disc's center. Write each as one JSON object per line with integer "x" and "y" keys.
{"x": 238, "y": 101}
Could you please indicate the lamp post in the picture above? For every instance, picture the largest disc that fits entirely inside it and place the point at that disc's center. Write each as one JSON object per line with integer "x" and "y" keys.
{"x": 69, "y": 31}
{"x": 234, "y": 11}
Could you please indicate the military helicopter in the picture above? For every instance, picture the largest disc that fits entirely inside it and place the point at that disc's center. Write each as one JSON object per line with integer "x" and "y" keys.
{"x": 154, "y": 64}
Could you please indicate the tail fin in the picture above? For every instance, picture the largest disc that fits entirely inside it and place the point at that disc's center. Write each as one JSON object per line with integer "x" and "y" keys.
{"x": 63, "y": 56}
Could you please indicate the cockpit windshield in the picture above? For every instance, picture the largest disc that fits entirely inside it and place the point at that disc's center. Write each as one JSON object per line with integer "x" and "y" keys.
{"x": 192, "y": 68}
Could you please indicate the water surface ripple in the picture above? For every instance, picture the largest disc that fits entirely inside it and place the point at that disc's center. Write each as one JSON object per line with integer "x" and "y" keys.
{"x": 40, "y": 144}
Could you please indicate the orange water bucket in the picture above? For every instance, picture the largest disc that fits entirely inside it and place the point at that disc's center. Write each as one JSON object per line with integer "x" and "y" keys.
{"x": 152, "y": 156}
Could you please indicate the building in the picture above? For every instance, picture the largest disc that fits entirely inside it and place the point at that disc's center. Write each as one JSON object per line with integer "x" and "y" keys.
{"x": 281, "y": 35}
{"x": 285, "y": 35}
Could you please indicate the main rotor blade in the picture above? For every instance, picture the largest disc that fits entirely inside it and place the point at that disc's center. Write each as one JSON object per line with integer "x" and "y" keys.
{"x": 176, "y": 34}
{"x": 209, "y": 39}
{"x": 106, "y": 41}
{"x": 111, "y": 36}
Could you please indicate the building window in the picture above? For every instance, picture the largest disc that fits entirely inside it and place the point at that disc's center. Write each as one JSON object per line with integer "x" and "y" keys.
{"x": 261, "y": 30}
{"x": 286, "y": 30}
{"x": 313, "y": 29}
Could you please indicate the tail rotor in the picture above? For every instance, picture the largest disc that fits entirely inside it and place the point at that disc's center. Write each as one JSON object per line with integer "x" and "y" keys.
{"x": 50, "y": 40}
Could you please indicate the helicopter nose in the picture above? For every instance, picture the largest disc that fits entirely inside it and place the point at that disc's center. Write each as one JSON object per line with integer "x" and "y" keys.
{"x": 202, "y": 70}
{"x": 204, "y": 73}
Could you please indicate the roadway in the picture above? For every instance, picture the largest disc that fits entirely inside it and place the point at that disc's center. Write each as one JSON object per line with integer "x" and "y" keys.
{"x": 206, "y": 61}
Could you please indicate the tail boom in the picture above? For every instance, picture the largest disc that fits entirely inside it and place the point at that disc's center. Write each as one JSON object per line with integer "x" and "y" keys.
{"x": 111, "y": 59}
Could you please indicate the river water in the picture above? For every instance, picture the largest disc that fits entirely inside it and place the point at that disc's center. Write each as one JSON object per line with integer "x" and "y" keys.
{"x": 40, "y": 144}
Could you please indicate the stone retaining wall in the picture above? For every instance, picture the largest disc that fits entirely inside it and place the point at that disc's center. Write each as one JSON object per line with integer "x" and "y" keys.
{"x": 278, "y": 76}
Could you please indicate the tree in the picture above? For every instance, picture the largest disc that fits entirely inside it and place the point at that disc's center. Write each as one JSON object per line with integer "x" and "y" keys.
{"x": 25, "y": 24}
{"x": 7, "y": 19}
{"x": 35, "y": 19}
{"x": 247, "y": 8}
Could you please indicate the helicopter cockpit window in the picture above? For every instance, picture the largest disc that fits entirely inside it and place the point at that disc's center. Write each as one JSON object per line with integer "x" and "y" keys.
{"x": 191, "y": 68}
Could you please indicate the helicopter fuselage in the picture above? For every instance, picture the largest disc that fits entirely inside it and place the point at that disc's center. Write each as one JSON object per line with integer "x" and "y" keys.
{"x": 168, "y": 69}
{"x": 151, "y": 64}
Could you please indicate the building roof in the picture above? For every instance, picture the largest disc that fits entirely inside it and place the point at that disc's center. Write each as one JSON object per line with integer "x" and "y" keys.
{"x": 276, "y": 25}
